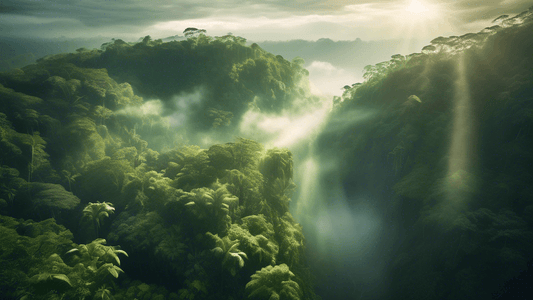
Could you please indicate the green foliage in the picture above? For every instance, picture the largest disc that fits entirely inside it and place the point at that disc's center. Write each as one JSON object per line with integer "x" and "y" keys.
{"x": 14, "y": 103}
{"x": 277, "y": 163}
{"x": 103, "y": 179}
{"x": 73, "y": 119}
{"x": 69, "y": 177}
{"x": 255, "y": 236}
{"x": 103, "y": 294}
{"x": 96, "y": 213}
{"x": 25, "y": 152}
{"x": 148, "y": 234}
{"x": 88, "y": 274}
{"x": 194, "y": 288}
{"x": 158, "y": 189}
{"x": 95, "y": 265}
{"x": 223, "y": 199}
{"x": 45, "y": 282}
{"x": 273, "y": 282}
{"x": 24, "y": 247}
{"x": 50, "y": 200}
{"x": 457, "y": 246}
{"x": 277, "y": 169}
{"x": 10, "y": 184}
{"x": 190, "y": 167}
{"x": 195, "y": 171}
{"x": 85, "y": 140}
{"x": 220, "y": 117}
{"x": 97, "y": 254}
{"x": 247, "y": 188}
{"x": 291, "y": 240}
{"x": 108, "y": 269}
{"x": 220, "y": 157}
{"x": 139, "y": 232}
{"x": 226, "y": 249}
{"x": 172, "y": 248}
{"x": 246, "y": 153}
{"x": 213, "y": 205}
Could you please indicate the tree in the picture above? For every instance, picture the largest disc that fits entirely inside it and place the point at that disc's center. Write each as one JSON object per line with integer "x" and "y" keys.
{"x": 223, "y": 201}
{"x": 196, "y": 170}
{"x": 102, "y": 113}
{"x": 96, "y": 213}
{"x": 291, "y": 240}
{"x": 277, "y": 163}
{"x": 102, "y": 180}
{"x": 277, "y": 169}
{"x": 51, "y": 200}
{"x": 70, "y": 178}
{"x": 246, "y": 153}
{"x": 99, "y": 260}
{"x": 273, "y": 282}
{"x": 232, "y": 257}
{"x": 192, "y": 32}
{"x": 256, "y": 238}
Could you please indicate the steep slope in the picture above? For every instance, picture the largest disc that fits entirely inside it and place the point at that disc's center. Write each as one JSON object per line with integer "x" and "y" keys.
{"x": 438, "y": 144}
{"x": 80, "y": 147}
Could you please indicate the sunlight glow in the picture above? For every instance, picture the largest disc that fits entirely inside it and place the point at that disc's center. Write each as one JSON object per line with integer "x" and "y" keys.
{"x": 286, "y": 129}
{"x": 301, "y": 127}
{"x": 327, "y": 78}
{"x": 149, "y": 107}
{"x": 416, "y": 7}
{"x": 152, "y": 107}
{"x": 308, "y": 187}
{"x": 416, "y": 19}
{"x": 364, "y": 20}
{"x": 460, "y": 181}
{"x": 460, "y": 148}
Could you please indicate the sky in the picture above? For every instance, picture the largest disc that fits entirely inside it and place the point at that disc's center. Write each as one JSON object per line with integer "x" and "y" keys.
{"x": 408, "y": 25}
{"x": 256, "y": 20}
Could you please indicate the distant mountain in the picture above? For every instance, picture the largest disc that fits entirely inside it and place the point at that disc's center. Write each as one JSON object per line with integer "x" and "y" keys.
{"x": 11, "y": 48}
{"x": 348, "y": 54}
{"x": 333, "y": 64}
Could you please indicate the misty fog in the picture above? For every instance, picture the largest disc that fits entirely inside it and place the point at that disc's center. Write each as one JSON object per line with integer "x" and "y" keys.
{"x": 220, "y": 168}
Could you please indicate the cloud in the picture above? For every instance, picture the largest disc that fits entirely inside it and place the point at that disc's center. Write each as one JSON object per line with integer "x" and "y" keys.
{"x": 330, "y": 79}
{"x": 253, "y": 19}
{"x": 149, "y": 107}
{"x": 286, "y": 129}
{"x": 183, "y": 105}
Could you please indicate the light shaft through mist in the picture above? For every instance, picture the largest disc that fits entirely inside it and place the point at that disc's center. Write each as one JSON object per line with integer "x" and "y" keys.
{"x": 462, "y": 139}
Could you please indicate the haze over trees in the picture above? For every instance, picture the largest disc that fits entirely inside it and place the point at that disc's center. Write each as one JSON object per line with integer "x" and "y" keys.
{"x": 74, "y": 156}
{"x": 123, "y": 176}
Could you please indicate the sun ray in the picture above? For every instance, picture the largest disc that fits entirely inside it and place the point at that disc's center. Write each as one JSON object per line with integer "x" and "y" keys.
{"x": 416, "y": 7}
{"x": 460, "y": 181}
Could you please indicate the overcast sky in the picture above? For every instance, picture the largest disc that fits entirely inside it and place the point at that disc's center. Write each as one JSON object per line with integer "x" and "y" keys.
{"x": 255, "y": 20}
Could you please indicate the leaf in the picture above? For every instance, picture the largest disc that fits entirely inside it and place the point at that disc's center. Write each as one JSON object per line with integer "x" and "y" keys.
{"x": 113, "y": 272}
{"x": 72, "y": 251}
{"x": 62, "y": 277}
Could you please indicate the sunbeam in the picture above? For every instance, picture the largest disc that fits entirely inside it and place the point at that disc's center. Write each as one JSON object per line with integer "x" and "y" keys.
{"x": 462, "y": 140}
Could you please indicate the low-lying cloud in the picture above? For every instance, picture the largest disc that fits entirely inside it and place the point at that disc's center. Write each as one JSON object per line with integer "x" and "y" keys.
{"x": 286, "y": 129}
{"x": 329, "y": 79}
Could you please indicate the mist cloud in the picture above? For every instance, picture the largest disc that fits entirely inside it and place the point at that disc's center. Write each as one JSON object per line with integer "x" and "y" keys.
{"x": 286, "y": 129}
{"x": 330, "y": 79}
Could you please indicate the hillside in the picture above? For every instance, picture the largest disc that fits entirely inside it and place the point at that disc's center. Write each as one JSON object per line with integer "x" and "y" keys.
{"x": 435, "y": 149}
{"x": 103, "y": 196}
{"x": 140, "y": 171}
